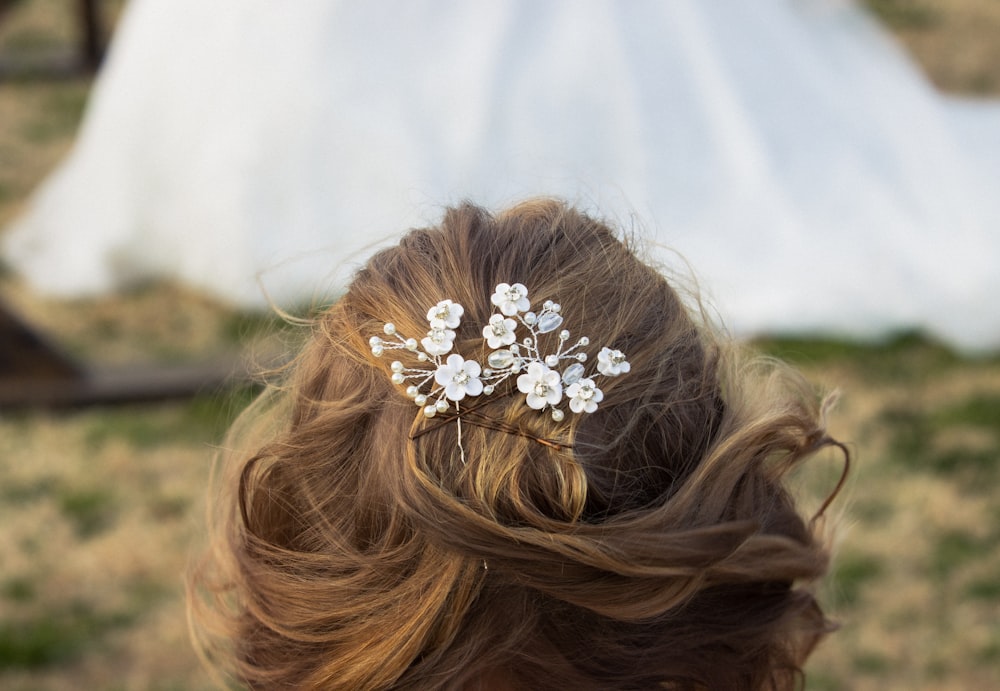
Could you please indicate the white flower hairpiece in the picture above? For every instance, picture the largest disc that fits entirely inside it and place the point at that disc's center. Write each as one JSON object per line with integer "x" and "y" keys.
{"x": 538, "y": 378}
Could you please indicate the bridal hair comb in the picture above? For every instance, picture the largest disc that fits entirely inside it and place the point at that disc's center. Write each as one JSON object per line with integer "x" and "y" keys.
{"x": 434, "y": 386}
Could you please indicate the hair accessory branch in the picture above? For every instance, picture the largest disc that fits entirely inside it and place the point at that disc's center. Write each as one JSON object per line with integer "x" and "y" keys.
{"x": 443, "y": 380}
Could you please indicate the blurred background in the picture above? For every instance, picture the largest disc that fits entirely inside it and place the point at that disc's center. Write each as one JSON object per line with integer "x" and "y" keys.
{"x": 100, "y": 505}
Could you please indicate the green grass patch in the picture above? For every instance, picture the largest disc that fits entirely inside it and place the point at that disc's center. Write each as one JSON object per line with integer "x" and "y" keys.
{"x": 954, "y": 549}
{"x": 92, "y": 511}
{"x": 240, "y": 327}
{"x": 982, "y": 83}
{"x": 902, "y": 356}
{"x": 989, "y": 654}
{"x": 18, "y": 590}
{"x": 138, "y": 427}
{"x": 916, "y": 440}
{"x": 987, "y": 589}
{"x": 905, "y": 14}
{"x": 58, "y": 636}
{"x": 977, "y": 466}
{"x": 851, "y": 573}
{"x": 823, "y": 681}
{"x": 60, "y": 116}
{"x": 978, "y": 411}
{"x": 211, "y": 415}
{"x": 911, "y": 432}
{"x": 27, "y": 492}
{"x": 871, "y": 511}
{"x": 200, "y": 420}
{"x": 871, "y": 663}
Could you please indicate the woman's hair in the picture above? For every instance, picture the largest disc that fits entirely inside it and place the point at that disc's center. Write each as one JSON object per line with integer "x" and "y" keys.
{"x": 652, "y": 545}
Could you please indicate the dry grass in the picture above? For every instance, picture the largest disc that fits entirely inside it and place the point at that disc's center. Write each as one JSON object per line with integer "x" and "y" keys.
{"x": 914, "y": 583}
{"x": 99, "y": 507}
{"x": 956, "y": 41}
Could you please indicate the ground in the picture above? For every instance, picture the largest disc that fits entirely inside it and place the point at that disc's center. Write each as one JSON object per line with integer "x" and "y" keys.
{"x": 99, "y": 508}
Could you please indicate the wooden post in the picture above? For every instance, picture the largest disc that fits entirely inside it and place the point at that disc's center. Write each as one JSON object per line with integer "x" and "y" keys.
{"x": 92, "y": 38}
{"x": 35, "y": 374}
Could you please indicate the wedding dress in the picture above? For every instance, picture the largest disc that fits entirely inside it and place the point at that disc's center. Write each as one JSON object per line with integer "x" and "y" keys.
{"x": 785, "y": 148}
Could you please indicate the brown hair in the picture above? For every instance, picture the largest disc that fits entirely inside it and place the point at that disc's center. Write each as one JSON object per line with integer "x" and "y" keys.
{"x": 653, "y": 546}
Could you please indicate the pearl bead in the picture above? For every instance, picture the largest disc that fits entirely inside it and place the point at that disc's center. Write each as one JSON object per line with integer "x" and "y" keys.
{"x": 389, "y": 329}
{"x": 412, "y": 391}
{"x": 397, "y": 378}
{"x": 377, "y": 351}
{"x": 430, "y": 411}
{"x": 558, "y": 415}
{"x": 396, "y": 366}
{"x": 420, "y": 399}
{"x": 441, "y": 405}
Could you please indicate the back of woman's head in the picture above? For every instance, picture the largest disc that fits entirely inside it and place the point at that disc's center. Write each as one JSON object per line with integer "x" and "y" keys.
{"x": 649, "y": 543}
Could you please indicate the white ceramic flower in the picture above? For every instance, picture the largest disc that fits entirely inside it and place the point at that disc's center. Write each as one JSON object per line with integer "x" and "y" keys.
{"x": 459, "y": 377}
{"x": 438, "y": 341}
{"x": 500, "y": 331}
{"x": 611, "y": 363}
{"x": 584, "y": 396}
{"x": 542, "y": 385}
{"x": 511, "y": 299}
{"x": 445, "y": 315}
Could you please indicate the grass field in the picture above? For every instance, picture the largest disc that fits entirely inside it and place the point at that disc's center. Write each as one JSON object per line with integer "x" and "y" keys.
{"x": 99, "y": 508}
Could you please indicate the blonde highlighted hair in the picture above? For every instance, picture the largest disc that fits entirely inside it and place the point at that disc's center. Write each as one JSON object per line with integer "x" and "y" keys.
{"x": 655, "y": 546}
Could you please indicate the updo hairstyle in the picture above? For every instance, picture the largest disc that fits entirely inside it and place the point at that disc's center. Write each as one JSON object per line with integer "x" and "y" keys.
{"x": 655, "y": 546}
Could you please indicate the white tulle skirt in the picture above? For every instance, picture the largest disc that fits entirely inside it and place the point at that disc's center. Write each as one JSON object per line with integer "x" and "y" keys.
{"x": 785, "y": 148}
